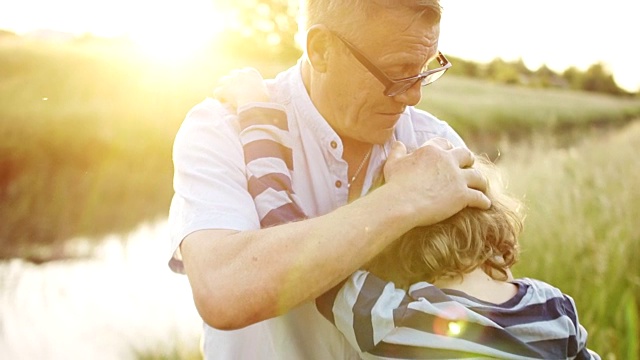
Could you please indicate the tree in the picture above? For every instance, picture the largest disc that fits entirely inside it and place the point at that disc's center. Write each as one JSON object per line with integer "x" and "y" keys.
{"x": 503, "y": 72}
{"x": 261, "y": 27}
{"x": 599, "y": 79}
{"x": 574, "y": 77}
{"x": 464, "y": 68}
{"x": 546, "y": 77}
{"x": 7, "y": 34}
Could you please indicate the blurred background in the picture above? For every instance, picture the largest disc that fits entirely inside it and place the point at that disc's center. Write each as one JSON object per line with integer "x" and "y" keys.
{"x": 92, "y": 94}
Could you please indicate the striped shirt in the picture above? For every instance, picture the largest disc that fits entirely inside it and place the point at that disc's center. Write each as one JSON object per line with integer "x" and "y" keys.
{"x": 384, "y": 322}
{"x": 265, "y": 138}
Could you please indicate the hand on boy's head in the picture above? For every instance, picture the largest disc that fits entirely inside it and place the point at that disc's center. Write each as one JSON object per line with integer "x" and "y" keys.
{"x": 240, "y": 87}
{"x": 437, "y": 179}
{"x": 441, "y": 142}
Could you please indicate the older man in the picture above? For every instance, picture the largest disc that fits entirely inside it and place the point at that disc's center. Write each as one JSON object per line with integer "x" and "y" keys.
{"x": 349, "y": 104}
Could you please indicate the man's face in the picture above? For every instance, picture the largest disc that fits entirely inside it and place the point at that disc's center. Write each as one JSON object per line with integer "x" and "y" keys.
{"x": 352, "y": 99}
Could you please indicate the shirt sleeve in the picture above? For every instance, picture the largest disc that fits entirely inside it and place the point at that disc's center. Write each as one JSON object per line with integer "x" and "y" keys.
{"x": 268, "y": 156}
{"x": 583, "y": 353}
{"x": 362, "y": 309}
{"x": 210, "y": 185}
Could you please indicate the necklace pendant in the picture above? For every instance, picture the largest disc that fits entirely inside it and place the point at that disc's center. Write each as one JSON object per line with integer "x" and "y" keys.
{"x": 350, "y": 182}
{"x": 366, "y": 157}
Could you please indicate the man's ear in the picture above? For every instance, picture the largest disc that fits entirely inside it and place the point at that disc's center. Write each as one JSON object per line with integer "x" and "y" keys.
{"x": 318, "y": 45}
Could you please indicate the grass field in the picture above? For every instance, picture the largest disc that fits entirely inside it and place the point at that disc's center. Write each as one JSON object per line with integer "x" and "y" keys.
{"x": 85, "y": 149}
{"x": 581, "y": 231}
{"x": 486, "y": 113}
{"x": 85, "y": 132}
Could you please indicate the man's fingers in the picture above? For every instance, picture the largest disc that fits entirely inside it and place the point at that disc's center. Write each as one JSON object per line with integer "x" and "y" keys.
{"x": 218, "y": 94}
{"x": 221, "y": 89}
{"x": 478, "y": 199}
{"x": 398, "y": 150}
{"x": 464, "y": 156}
{"x": 477, "y": 185}
{"x": 440, "y": 142}
{"x": 475, "y": 179}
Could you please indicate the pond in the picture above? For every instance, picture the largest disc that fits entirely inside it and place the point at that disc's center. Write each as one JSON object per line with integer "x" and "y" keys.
{"x": 122, "y": 303}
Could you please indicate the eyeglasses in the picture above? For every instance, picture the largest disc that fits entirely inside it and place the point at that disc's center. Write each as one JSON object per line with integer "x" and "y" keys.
{"x": 397, "y": 87}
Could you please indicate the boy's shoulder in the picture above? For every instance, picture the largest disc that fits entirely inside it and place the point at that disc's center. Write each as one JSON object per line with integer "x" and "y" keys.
{"x": 540, "y": 289}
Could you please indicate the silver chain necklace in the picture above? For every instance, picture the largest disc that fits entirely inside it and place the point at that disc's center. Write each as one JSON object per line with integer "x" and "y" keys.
{"x": 366, "y": 157}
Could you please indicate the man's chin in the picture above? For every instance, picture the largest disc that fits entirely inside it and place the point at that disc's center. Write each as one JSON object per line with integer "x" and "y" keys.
{"x": 389, "y": 118}
{"x": 381, "y": 136}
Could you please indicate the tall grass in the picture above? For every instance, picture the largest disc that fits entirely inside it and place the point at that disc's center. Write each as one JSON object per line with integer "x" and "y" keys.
{"x": 581, "y": 233}
{"x": 486, "y": 112}
{"x": 86, "y": 132}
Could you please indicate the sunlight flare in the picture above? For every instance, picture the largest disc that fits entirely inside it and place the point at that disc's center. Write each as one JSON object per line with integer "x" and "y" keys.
{"x": 455, "y": 328}
{"x": 175, "y": 32}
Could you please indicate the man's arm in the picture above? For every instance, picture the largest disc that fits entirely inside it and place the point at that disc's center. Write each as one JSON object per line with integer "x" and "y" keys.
{"x": 240, "y": 278}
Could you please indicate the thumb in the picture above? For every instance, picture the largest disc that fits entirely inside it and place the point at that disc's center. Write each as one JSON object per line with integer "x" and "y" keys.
{"x": 398, "y": 150}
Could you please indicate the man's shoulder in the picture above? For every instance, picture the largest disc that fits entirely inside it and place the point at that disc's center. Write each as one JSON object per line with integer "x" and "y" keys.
{"x": 283, "y": 86}
{"x": 210, "y": 110}
{"x": 206, "y": 124}
{"x": 211, "y": 115}
{"x": 211, "y": 120}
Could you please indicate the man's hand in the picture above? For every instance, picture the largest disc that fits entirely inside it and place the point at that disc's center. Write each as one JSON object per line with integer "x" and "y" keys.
{"x": 437, "y": 180}
{"x": 241, "y": 87}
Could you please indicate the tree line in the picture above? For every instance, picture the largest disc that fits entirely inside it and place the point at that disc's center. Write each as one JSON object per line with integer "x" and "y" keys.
{"x": 597, "y": 78}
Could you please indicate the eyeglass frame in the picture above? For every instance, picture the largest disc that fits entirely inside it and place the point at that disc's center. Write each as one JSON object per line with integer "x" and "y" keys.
{"x": 406, "y": 83}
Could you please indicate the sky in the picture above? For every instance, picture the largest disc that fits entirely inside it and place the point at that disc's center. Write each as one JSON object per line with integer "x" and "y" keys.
{"x": 557, "y": 33}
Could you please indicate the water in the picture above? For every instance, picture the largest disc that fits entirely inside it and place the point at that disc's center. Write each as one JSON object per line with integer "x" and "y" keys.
{"x": 121, "y": 303}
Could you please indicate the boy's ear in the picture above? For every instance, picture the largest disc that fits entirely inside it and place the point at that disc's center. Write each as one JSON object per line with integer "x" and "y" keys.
{"x": 318, "y": 45}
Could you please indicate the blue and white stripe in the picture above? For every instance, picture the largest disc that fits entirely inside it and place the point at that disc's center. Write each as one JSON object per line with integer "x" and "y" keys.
{"x": 269, "y": 163}
{"x": 383, "y": 322}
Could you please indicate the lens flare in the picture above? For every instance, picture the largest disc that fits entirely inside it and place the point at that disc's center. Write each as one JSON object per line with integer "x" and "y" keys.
{"x": 451, "y": 321}
{"x": 455, "y": 328}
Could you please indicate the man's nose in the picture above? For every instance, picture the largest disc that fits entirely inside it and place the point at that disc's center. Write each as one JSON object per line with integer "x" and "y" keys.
{"x": 412, "y": 96}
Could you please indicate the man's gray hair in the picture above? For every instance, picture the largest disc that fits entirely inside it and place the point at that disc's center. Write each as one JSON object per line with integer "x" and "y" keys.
{"x": 345, "y": 15}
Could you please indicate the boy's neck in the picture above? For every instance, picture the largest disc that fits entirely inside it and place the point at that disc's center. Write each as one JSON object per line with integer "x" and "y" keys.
{"x": 480, "y": 285}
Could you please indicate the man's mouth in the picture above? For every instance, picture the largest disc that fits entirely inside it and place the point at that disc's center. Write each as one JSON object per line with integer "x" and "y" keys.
{"x": 393, "y": 113}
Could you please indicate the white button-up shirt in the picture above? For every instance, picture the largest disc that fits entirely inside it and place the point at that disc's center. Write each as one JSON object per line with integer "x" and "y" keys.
{"x": 211, "y": 193}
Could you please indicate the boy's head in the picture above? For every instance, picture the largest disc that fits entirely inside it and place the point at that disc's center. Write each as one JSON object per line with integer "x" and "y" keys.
{"x": 470, "y": 239}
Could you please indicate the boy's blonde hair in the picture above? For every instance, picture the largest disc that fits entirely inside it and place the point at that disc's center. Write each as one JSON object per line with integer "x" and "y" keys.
{"x": 470, "y": 239}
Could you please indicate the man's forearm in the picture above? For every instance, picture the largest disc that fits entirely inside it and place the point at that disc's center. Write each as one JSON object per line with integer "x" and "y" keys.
{"x": 239, "y": 278}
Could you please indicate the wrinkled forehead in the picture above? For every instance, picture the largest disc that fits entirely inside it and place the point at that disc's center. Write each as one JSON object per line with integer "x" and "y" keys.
{"x": 398, "y": 15}
{"x": 394, "y": 24}
{"x": 430, "y": 9}
{"x": 407, "y": 3}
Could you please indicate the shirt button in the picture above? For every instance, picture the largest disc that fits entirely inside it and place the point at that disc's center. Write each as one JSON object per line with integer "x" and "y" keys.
{"x": 338, "y": 183}
{"x": 334, "y": 144}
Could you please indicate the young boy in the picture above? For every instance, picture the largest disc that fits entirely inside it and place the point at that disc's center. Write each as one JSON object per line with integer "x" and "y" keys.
{"x": 445, "y": 291}
{"x": 440, "y": 291}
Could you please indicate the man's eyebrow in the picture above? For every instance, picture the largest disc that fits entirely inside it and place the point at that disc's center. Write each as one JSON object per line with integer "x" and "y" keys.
{"x": 405, "y": 61}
